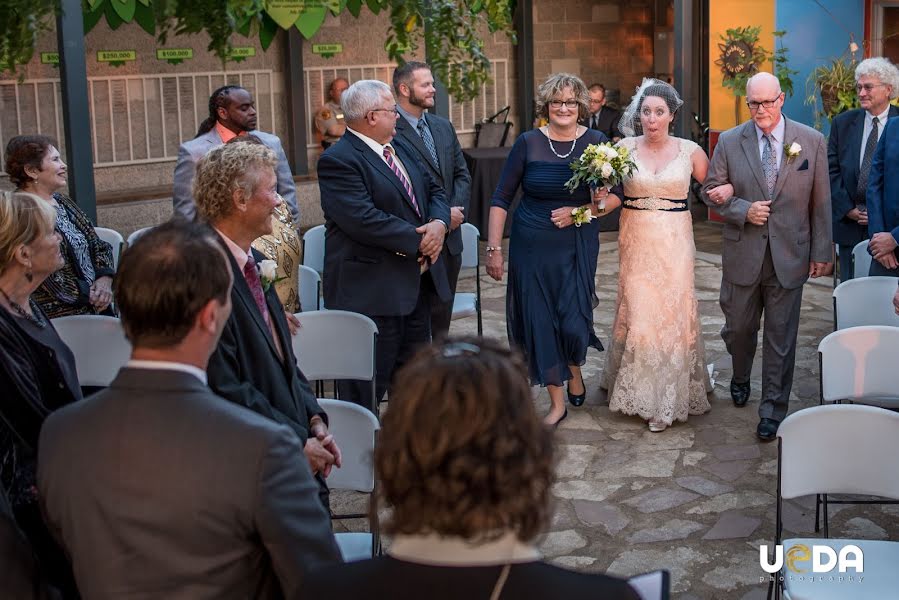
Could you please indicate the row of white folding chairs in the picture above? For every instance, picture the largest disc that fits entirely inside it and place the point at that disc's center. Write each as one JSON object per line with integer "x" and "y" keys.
{"x": 865, "y": 301}
{"x": 118, "y": 243}
{"x": 465, "y": 304}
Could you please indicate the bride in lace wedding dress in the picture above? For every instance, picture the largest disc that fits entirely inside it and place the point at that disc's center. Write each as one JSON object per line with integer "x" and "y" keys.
{"x": 655, "y": 367}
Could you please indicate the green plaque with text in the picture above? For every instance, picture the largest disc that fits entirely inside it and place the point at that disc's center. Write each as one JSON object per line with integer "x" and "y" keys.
{"x": 116, "y": 56}
{"x": 327, "y": 49}
{"x": 171, "y": 54}
{"x": 49, "y": 58}
{"x": 241, "y": 52}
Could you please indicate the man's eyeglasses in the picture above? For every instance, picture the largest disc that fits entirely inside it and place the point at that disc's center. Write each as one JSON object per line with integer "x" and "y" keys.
{"x": 867, "y": 87}
{"x": 768, "y": 104}
{"x": 394, "y": 110}
{"x": 572, "y": 104}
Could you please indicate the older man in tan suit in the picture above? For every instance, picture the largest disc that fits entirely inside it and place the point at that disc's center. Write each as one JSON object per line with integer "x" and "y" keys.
{"x": 769, "y": 180}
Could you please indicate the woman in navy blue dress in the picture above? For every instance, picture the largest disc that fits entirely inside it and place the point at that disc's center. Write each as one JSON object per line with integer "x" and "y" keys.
{"x": 552, "y": 263}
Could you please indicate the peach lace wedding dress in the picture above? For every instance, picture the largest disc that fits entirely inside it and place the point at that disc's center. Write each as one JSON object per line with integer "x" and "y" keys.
{"x": 655, "y": 367}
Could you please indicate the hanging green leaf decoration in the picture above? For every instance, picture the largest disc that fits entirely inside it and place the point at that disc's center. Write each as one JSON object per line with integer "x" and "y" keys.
{"x": 144, "y": 17}
{"x": 125, "y": 9}
{"x": 112, "y": 16}
{"x": 92, "y": 17}
{"x": 310, "y": 21}
{"x": 374, "y": 6}
{"x": 94, "y": 3}
{"x": 268, "y": 29}
{"x": 354, "y": 6}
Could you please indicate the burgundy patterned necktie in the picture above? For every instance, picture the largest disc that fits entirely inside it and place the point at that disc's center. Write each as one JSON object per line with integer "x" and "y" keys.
{"x": 388, "y": 156}
{"x": 252, "y": 276}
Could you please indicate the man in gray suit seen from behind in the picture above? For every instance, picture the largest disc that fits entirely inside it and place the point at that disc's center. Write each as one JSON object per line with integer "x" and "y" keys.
{"x": 232, "y": 113}
{"x": 769, "y": 180}
{"x": 158, "y": 488}
{"x": 434, "y": 139}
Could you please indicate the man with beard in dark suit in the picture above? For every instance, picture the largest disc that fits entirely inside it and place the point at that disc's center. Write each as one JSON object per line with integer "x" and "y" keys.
{"x": 434, "y": 140}
{"x": 386, "y": 221}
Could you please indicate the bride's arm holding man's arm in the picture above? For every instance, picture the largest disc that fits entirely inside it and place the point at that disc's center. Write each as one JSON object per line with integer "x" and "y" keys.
{"x": 718, "y": 193}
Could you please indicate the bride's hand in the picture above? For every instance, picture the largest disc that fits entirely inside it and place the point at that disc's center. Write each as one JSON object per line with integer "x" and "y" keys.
{"x": 721, "y": 194}
{"x": 561, "y": 217}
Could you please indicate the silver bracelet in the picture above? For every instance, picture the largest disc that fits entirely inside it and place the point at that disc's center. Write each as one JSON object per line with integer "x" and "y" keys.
{"x": 493, "y": 249}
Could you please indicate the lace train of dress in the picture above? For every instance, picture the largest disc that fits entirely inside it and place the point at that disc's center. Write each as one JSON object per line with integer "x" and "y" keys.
{"x": 655, "y": 366}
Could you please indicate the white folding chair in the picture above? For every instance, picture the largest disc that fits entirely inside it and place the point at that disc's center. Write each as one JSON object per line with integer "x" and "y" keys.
{"x": 310, "y": 285}
{"x": 136, "y": 234}
{"x": 99, "y": 346}
{"x": 861, "y": 260}
{"x": 314, "y": 248}
{"x": 114, "y": 239}
{"x": 355, "y": 430}
{"x": 466, "y": 304}
{"x": 838, "y": 449}
{"x": 652, "y": 586}
{"x": 865, "y": 301}
{"x": 336, "y": 344}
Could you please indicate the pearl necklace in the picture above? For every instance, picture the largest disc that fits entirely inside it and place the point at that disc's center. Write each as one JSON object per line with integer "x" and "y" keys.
{"x": 551, "y": 147}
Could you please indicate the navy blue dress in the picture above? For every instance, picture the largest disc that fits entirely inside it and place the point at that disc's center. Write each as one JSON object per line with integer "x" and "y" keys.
{"x": 551, "y": 289}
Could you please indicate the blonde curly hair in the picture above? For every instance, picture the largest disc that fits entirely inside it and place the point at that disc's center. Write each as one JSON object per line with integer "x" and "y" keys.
{"x": 554, "y": 85}
{"x": 226, "y": 169}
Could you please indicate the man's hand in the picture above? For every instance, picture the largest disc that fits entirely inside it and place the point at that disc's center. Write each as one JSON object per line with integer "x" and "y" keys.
{"x": 320, "y": 459}
{"x": 721, "y": 193}
{"x": 819, "y": 269}
{"x": 758, "y": 212}
{"x": 857, "y": 215}
{"x": 896, "y": 301}
{"x": 888, "y": 261}
{"x": 457, "y": 217}
{"x": 318, "y": 428}
{"x": 882, "y": 244}
{"x": 101, "y": 293}
{"x": 293, "y": 323}
{"x": 431, "y": 243}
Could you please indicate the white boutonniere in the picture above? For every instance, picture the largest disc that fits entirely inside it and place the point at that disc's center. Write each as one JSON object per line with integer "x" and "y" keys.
{"x": 268, "y": 274}
{"x": 793, "y": 151}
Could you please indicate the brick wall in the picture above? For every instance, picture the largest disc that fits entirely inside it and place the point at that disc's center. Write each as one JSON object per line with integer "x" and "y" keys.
{"x": 610, "y": 41}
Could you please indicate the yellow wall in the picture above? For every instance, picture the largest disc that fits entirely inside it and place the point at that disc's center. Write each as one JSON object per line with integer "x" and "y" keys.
{"x": 728, "y": 14}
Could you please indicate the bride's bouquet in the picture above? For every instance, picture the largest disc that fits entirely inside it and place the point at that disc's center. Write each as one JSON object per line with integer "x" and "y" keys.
{"x": 601, "y": 165}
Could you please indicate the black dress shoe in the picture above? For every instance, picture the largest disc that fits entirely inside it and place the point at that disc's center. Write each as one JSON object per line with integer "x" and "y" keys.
{"x": 739, "y": 392}
{"x": 576, "y": 399}
{"x": 767, "y": 429}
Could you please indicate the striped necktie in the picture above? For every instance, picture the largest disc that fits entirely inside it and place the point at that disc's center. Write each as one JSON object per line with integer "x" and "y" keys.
{"x": 388, "y": 156}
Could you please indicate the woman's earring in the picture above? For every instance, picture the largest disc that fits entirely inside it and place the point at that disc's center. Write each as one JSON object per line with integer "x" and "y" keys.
{"x": 29, "y": 275}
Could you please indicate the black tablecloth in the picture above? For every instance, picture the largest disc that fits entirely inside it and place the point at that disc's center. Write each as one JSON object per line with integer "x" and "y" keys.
{"x": 485, "y": 166}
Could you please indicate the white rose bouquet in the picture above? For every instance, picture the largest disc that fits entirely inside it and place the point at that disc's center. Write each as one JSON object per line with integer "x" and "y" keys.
{"x": 601, "y": 165}
{"x": 268, "y": 274}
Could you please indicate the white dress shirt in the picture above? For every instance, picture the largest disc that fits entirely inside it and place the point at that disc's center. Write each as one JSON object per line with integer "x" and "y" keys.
{"x": 162, "y": 365}
{"x": 777, "y": 140}
{"x": 378, "y": 149}
{"x": 869, "y": 124}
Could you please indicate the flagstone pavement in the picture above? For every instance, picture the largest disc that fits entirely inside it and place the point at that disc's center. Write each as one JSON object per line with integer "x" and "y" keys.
{"x": 697, "y": 499}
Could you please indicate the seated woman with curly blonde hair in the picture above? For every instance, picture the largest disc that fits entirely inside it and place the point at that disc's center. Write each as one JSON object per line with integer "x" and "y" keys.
{"x": 465, "y": 466}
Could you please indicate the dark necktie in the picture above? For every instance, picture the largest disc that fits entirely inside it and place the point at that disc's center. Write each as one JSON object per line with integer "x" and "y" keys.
{"x": 255, "y": 284}
{"x": 388, "y": 156}
{"x": 425, "y": 132}
{"x": 769, "y": 165}
{"x": 868, "y": 158}
{"x": 594, "y": 121}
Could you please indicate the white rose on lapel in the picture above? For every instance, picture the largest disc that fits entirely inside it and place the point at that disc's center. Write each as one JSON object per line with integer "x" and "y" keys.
{"x": 268, "y": 273}
{"x": 793, "y": 151}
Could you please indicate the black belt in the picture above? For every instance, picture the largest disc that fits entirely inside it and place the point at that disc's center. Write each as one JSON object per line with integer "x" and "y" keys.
{"x": 653, "y": 203}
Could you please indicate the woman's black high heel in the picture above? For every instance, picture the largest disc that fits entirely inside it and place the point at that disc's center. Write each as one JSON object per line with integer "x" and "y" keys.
{"x": 576, "y": 399}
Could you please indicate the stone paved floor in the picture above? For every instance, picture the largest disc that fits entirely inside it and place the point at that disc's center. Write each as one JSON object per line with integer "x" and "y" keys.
{"x": 698, "y": 498}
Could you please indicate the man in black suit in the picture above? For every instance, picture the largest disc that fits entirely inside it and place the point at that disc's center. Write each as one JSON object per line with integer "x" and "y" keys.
{"x": 386, "y": 220}
{"x": 434, "y": 139}
{"x": 602, "y": 117}
{"x": 157, "y": 487}
{"x": 850, "y": 153}
{"x": 254, "y": 364}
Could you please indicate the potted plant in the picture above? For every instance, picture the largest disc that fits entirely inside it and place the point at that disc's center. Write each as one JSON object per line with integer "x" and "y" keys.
{"x": 834, "y": 83}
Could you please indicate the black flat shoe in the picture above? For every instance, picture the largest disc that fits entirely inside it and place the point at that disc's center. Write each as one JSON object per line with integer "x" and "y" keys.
{"x": 576, "y": 399}
{"x": 767, "y": 429}
{"x": 739, "y": 393}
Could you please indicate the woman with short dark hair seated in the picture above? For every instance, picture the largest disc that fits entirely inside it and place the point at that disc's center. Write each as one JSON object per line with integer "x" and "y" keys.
{"x": 83, "y": 285}
{"x": 465, "y": 467}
